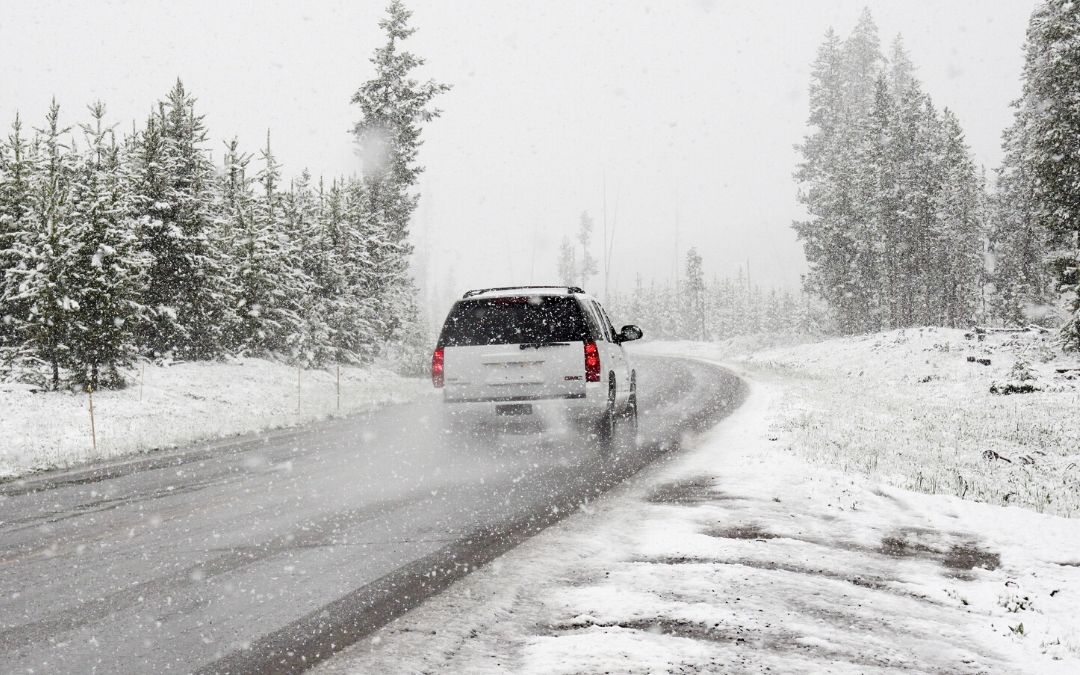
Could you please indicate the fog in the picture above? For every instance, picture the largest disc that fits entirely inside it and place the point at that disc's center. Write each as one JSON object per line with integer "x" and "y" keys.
{"x": 685, "y": 112}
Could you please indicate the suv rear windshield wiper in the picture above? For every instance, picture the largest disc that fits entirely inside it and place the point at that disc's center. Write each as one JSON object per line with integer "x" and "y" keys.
{"x": 538, "y": 345}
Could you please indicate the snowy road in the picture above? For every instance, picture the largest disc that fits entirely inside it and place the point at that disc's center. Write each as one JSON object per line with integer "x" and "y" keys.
{"x": 273, "y": 555}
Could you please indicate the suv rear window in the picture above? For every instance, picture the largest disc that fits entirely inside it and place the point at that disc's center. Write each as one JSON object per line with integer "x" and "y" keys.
{"x": 515, "y": 320}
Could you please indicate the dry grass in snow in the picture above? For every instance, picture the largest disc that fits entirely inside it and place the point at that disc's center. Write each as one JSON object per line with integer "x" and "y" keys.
{"x": 914, "y": 408}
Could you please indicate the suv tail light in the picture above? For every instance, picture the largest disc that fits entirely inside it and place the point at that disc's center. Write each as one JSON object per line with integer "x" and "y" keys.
{"x": 592, "y": 362}
{"x": 437, "y": 367}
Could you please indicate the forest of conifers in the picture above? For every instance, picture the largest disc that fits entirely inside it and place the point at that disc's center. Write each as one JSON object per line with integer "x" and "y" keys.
{"x": 116, "y": 246}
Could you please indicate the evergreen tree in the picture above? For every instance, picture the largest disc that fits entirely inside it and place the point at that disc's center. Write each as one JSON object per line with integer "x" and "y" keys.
{"x": 17, "y": 165}
{"x": 906, "y": 219}
{"x": 1018, "y": 243}
{"x": 348, "y": 307}
{"x": 825, "y": 176}
{"x": 101, "y": 270}
{"x": 568, "y": 268}
{"x": 141, "y": 247}
{"x": 393, "y": 107}
{"x": 306, "y": 282}
{"x": 635, "y": 307}
{"x": 148, "y": 176}
{"x": 185, "y": 290}
{"x": 588, "y": 267}
{"x": 885, "y": 232}
{"x": 959, "y": 242}
{"x": 861, "y": 62}
{"x": 272, "y": 284}
{"x": 894, "y": 229}
{"x": 41, "y": 253}
{"x": 724, "y": 309}
{"x": 234, "y": 208}
{"x": 1051, "y": 73}
{"x": 693, "y": 298}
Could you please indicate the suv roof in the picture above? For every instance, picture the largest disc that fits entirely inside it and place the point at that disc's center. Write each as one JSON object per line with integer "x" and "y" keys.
{"x": 516, "y": 290}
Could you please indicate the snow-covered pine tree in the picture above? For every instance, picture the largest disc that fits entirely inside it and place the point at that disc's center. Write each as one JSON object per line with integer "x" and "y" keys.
{"x": 234, "y": 207}
{"x": 841, "y": 91}
{"x": 651, "y": 310}
{"x": 588, "y": 266}
{"x": 902, "y": 226}
{"x": 149, "y": 177}
{"x": 16, "y": 168}
{"x": 693, "y": 298}
{"x": 1051, "y": 73}
{"x": 186, "y": 290}
{"x": 411, "y": 353}
{"x": 40, "y": 251}
{"x": 724, "y": 313}
{"x": 861, "y": 63}
{"x": 773, "y": 320}
{"x": 757, "y": 310}
{"x": 959, "y": 241}
{"x": 1018, "y": 242}
{"x": 372, "y": 261}
{"x": 567, "y": 263}
{"x": 308, "y": 286}
{"x": 272, "y": 284}
{"x": 102, "y": 270}
{"x": 322, "y": 262}
{"x": 348, "y": 303}
{"x": 874, "y": 228}
{"x": 636, "y": 304}
{"x": 813, "y": 173}
{"x": 200, "y": 290}
{"x": 890, "y": 190}
{"x": 807, "y": 316}
{"x": 393, "y": 108}
{"x": 928, "y": 181}
{"x": 669, "y": 309}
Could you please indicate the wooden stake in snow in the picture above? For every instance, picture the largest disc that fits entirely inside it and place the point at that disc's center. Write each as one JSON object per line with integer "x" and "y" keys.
{"x": 339, "y": 387}
{"x": 93, "y": 427}
{"x": 142, "y": 372}
{"x": 298, "y": 388}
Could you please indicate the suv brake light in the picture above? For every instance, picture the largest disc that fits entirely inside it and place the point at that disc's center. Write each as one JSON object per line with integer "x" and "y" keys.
{"x": 592, "y": 362}
{"x": 437, "y": 367}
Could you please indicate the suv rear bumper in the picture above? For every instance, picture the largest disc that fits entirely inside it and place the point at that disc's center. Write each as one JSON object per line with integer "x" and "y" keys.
{"x": 516, "y": 399}
{"x": 569, "y": 407}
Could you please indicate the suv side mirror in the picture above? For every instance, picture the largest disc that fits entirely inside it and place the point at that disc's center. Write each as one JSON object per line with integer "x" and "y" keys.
{"x": 629, "y": 333}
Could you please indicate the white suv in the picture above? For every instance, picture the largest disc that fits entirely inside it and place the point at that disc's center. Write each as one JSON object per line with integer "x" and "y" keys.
{"x": 541, "y": 351}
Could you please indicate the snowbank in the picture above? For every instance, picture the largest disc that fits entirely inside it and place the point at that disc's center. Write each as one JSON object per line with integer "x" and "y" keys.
{"x": 915, "y": 408}
{"x": 181, "y": 404}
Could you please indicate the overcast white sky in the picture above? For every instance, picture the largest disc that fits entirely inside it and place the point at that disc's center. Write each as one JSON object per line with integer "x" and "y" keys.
{"x": 687, "y": 109}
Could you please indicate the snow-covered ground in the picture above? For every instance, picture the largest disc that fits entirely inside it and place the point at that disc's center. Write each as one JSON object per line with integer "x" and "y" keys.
{"x": 914, "y": 408}
{"x": 756, "y": 549}
{"x": 181, "y": 404}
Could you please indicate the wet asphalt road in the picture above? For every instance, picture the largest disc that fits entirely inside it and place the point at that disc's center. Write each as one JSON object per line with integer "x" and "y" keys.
{"x": 270, "y": 554}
